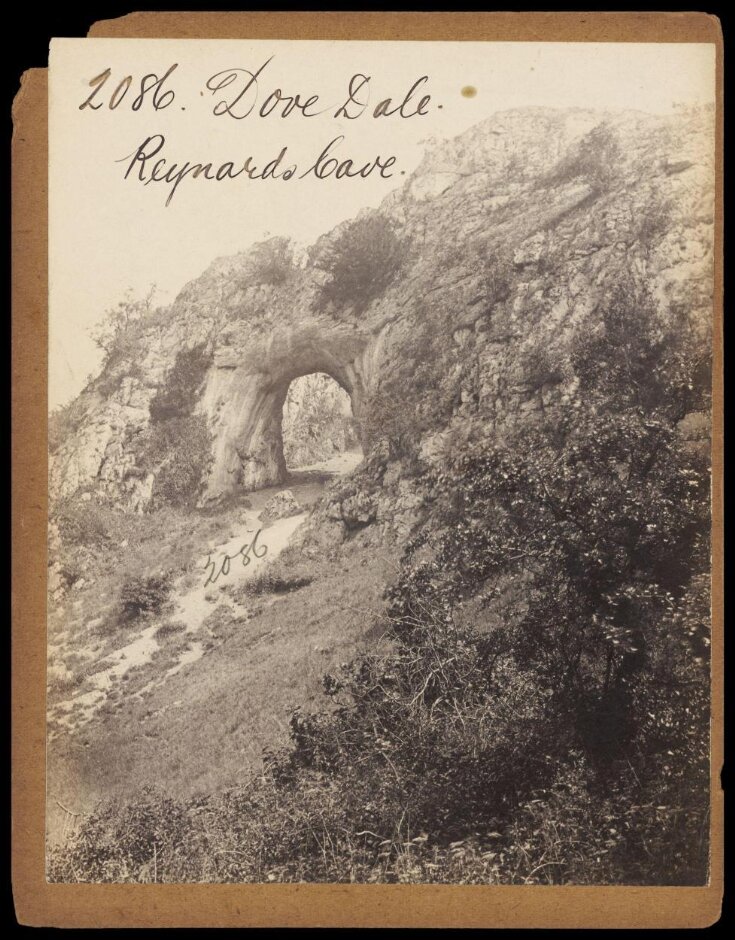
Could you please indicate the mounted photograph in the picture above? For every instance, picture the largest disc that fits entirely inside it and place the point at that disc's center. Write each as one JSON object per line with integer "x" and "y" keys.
{"x": 380, "y": 427}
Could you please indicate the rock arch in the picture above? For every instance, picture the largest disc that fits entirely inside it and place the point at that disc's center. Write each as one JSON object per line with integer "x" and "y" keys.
{"x": 246, "y": 388}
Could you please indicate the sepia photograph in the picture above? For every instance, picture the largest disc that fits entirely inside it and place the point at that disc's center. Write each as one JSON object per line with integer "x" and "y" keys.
{"x": 379, "y": 538}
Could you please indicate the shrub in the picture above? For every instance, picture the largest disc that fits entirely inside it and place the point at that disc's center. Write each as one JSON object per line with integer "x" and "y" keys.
{"x": 82, "y": 523}
{"x": 179, "y": 452}
{"x": 268, "y": 582}
{"x": 168, "y": 629}
{"x": 270, "y": 262}
{"x": 144, "y": 595}
{"x": 361, "y": 261}
{"x": 177, "y": 445}
{"x": 176, "y": 398}
{"x": 419, "y": 392}
{"x": 595, "y": 158}
{"x": 118, "y": 333}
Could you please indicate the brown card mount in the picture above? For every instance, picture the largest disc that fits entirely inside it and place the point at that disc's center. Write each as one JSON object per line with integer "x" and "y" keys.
{"x": 39, "y": 903}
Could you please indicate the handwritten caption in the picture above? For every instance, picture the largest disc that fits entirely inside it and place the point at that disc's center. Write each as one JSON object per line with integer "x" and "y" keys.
{"x": 239, "y": 94}
{"x": 222, "y": 567}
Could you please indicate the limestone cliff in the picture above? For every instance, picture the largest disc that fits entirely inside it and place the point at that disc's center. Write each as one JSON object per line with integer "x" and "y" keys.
{"x": 511, "y": 234}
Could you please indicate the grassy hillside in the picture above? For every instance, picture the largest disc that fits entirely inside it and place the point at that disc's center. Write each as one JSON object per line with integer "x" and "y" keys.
{"x": 538, "y": 711}
{"x": 264, "y": 646}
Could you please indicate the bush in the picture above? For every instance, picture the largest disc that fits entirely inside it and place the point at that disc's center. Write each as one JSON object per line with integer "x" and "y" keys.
{"x": 118, "y": 333}
{"x": 270, "y": 262}
{"x": 179, "y": 452}
{"x": 169, "y": 629}
{"x": 595, "y": 158}
{"x": 361, "y": 261}
{"x": 177, "y": 445}
{"x": 177, "y": 397}
{"x": 418, "y": 393}
{"x": 267, "y": 582}
{"x": 144, "y": 595}
{"x": 82, "y": 523}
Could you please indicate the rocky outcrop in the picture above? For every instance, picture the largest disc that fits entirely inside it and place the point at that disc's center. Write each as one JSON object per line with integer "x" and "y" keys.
{"x": 280, "y": 506}
{"x": 515, "y": 231}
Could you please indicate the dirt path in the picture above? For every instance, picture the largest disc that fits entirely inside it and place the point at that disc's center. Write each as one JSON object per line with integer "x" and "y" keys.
{"x": 196, "y": 599}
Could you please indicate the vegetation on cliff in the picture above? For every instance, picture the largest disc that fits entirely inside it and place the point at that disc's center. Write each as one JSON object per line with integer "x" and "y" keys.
{"x": 539, "y": 712}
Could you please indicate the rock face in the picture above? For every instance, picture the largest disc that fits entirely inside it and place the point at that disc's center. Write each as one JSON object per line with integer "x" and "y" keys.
{"x": 516, "y": 230}
{"x": 280, "y": 506}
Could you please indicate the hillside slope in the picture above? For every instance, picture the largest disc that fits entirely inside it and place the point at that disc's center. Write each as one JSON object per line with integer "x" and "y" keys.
{"x": 509, "y": 594}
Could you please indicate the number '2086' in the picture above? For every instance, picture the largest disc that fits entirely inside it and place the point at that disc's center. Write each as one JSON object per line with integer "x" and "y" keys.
{"x": 151, "y": 87}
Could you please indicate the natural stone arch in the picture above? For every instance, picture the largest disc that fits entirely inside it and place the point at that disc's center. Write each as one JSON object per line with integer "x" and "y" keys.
{"x": 246, "y": 389}
{"x": 317, "y": 424}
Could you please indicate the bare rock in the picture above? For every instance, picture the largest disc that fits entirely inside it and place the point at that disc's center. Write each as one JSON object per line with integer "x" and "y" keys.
{"x": 280, "y": 506}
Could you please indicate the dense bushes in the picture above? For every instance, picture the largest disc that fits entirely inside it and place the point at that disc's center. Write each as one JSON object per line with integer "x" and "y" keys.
{"x": 540, "y": 710}
{"x": 177, "y": 396}
{"x": 270, "y": 262}
{"x": 177, "y": 446}
{"x": 595, "y": 159}
{"x": 179, "y": 451}
{"x": 118, "y": 333}
{"x": 419, "y": 392}
{"x": 144, "y": 595}
{"x": 361, "y": 261}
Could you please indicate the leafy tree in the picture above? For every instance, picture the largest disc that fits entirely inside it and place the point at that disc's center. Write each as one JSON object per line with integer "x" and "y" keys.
{"x": 119, "y": 322}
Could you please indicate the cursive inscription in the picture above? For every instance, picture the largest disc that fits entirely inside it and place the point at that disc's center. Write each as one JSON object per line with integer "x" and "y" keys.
{"x": 251, "y": 94}
{"x": 223, "y": 565}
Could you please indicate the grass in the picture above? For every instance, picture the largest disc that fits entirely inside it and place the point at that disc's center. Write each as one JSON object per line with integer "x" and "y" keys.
{"x": 168, "y": 629}
{"x": 205, "y": 726}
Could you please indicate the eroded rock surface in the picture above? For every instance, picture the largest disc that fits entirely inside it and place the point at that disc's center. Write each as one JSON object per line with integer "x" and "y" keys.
{"x": 515, "y": 231}
{"x": 280, "y": 506}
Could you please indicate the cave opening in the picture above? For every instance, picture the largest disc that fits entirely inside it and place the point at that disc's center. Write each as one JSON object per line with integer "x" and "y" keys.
{"x": 318, "y": 427}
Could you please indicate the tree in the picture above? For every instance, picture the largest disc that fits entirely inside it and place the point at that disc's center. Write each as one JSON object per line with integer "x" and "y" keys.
{"x": 361, "y": 261}
{"x": 118, "y": 320}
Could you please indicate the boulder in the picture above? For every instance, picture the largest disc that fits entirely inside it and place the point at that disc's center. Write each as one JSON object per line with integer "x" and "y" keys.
{"x": 280, "y": 506}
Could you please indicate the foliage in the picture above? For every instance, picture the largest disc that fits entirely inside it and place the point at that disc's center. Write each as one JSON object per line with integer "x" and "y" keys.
{"x": 170, "y": 628}
{"x": 595, "y": 158}
{"x": 82, "y": 522}
{"x": 179, "y": 452}
{"x": 143, "y": 595}
{"x": 539, "y": 710}
{"x": 419, "y": 392}
{"x": 177, "y": 396}
{"x": 271, "y": 262}
{"x": 315, "y": 425}
{"x": 177, "y": 445}
{"x": 268, "y": 582}
{"x": 361, "y": 261}
{"x": 116, "y": 334}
